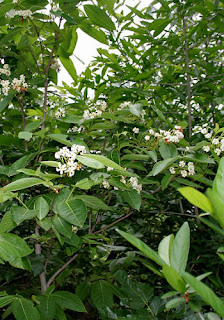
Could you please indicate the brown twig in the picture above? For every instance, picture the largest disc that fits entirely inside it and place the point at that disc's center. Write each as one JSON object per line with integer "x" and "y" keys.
{"x": 112, "y": 224}
{"x": 157, "y": 190}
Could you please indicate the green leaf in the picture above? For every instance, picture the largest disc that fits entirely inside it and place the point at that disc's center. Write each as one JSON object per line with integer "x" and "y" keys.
{"x": 73, "y": 211}
{"x": 218, "y": 183}
{"x": 162, "y": 165}
{"x": 47, "y": 307}
{"x": 69, "y": 66}
{"x": 12, "y": 246}
{"x": 165, "y": 247}
{"x": 196, "y": 198}
{"x": 99, "y": 17}
{"x": 95, "y": 164}
{"x": 133, "y": 198}
{"x": 23, "y": 309}
{"x": 212, "y": 225}
{"x": 5, "y": 102}
{"x": 167, "y": 151}
{"x": 20, "y": 214}
{"x": 62, "y": 226}
{"x": 166, "y": 180}
{"x": 218, "y": 206}
{"x": 22, "y": 184}
{"x": 174, "y": 303}
{"x": 4, "y": 301}
{"x": 53, "y": 164}
{"x": 205, "y": 293}
{"x": 21, "y": 163}
{"x": 180, "y": 249}
{"x": 42, "y": 206}
{"x": 93, "y": 202}
{"x": 105, "y": 161}
{"x": 102, "y": 294}
{"x": 148, "y": 252}
{"x": 61, "y": 138}
{"x": 174, "y": 279}
{"x": 7, "y": 224}
{"x": 25, "y": 135}
{"x": 69, "y": 301}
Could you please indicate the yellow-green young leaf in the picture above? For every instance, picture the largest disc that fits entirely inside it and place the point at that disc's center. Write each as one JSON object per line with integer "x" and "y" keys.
{"x": 205, "y": 293}
{"x": 23, "y": 309}
{"x": 174, "y": 279}
{"x": 99, "y": 17}
{"x": 148, "y": 252}
{"x": 22, "y": 184}
{"x": 196, "y": 198}
{"x": 180, "y": 248}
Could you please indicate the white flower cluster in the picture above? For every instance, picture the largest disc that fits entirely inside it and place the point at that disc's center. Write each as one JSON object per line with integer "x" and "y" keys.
{"x": 60, "y": 113}
{"x": 55, "y": 65}
{"x": 135, "y": 130}
{"x": 217, "y": 145}
{"x": 17, "y": 84}
{"x": 75, "y": 129}
{"x": 68, "y": 164}
{"x": 5, "y": 70}
{"x": 185, "y": 169}
{"x": 174, "y": 135}
{"x": 92, "y": 113}
{"x": 106, "y": 184}
{"x": 203, "y": 130}
{"x": 22, "y": 13}
{"x": 102, "y": 105}
{"x": 135, "y": 185}
{"x": 124, "y": 105}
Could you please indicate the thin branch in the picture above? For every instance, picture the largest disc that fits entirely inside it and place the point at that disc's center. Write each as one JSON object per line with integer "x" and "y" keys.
{"x": 188, "y": 79}
{"x": 90, "y": 221}
{"x": 112, "y": 224}
{"x": 23, "y": 119}
{"x": 157, "y": 190}
{"x": 38, "y": 252}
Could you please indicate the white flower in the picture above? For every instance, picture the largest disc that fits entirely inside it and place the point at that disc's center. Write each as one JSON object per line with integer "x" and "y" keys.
{"x": 55, "y": 65}
{"x": 217, "y": 151}
{"x": 215, "y": 141}
{"x": 204, "y": 131}
{"x": 152, "y": 132}
{"x": 147, "y": 138}
{"x": 208, "y": 135}
{"x": 135, "y": 185}
{"x": 172, "y": 170}
{"x": 183, "y": 173}
{"x": 109, "y": 168}
{"x": 106, "y": 184}
{"x": 206, "y": 148}
{"x": 15, "y": 1}
{"x": 123, "y": 180}
{"x": 61, "y": 168}
{"x": 135, "y": 130}
{"x": 10, "y": 14}
{"x": 182, "y": 164}
{"x": 60, "y": 113}
{"x": 74, "y": 229}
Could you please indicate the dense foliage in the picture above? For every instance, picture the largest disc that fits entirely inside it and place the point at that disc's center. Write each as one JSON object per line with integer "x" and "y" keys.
{"x": 129, "y": 156}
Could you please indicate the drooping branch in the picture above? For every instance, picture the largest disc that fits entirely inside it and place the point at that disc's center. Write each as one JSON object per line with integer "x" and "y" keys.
{"x": 188, "y": 78}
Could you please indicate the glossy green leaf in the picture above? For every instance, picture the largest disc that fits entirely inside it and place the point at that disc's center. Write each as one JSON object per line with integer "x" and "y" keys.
{"x": 23, "y": 309}
{"x": 218, "y": 183}
{"x": 5, "y": 102}
{"x": 42, "y": 206}
{"x": 93, "y": 202}
{"x": 218, "y": 206}
{"x": 47, "y": 307}
{"x": 73, "y": 211}
{"x": 105, "y": 161}
{"x": 90, "y": 162}
{"x": 7, "y": 223}
{"x": 146, "y": 250}
{"x": 20, "y": 214}
{"x": 162, "y": 165}
{"x": 22, "y": 184}
{"x": 102, "y": 294}
{"x": 62, "y": 226}
{"x": 4, "y": 301}
{"x": 205, "y": 293}
{"x": 69, "y": 301}
{"x": 174, "y": 303}
{"x": 69, "y": 66}
{"x": 180, "y": 248}
{"x": 133, "y": 198}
